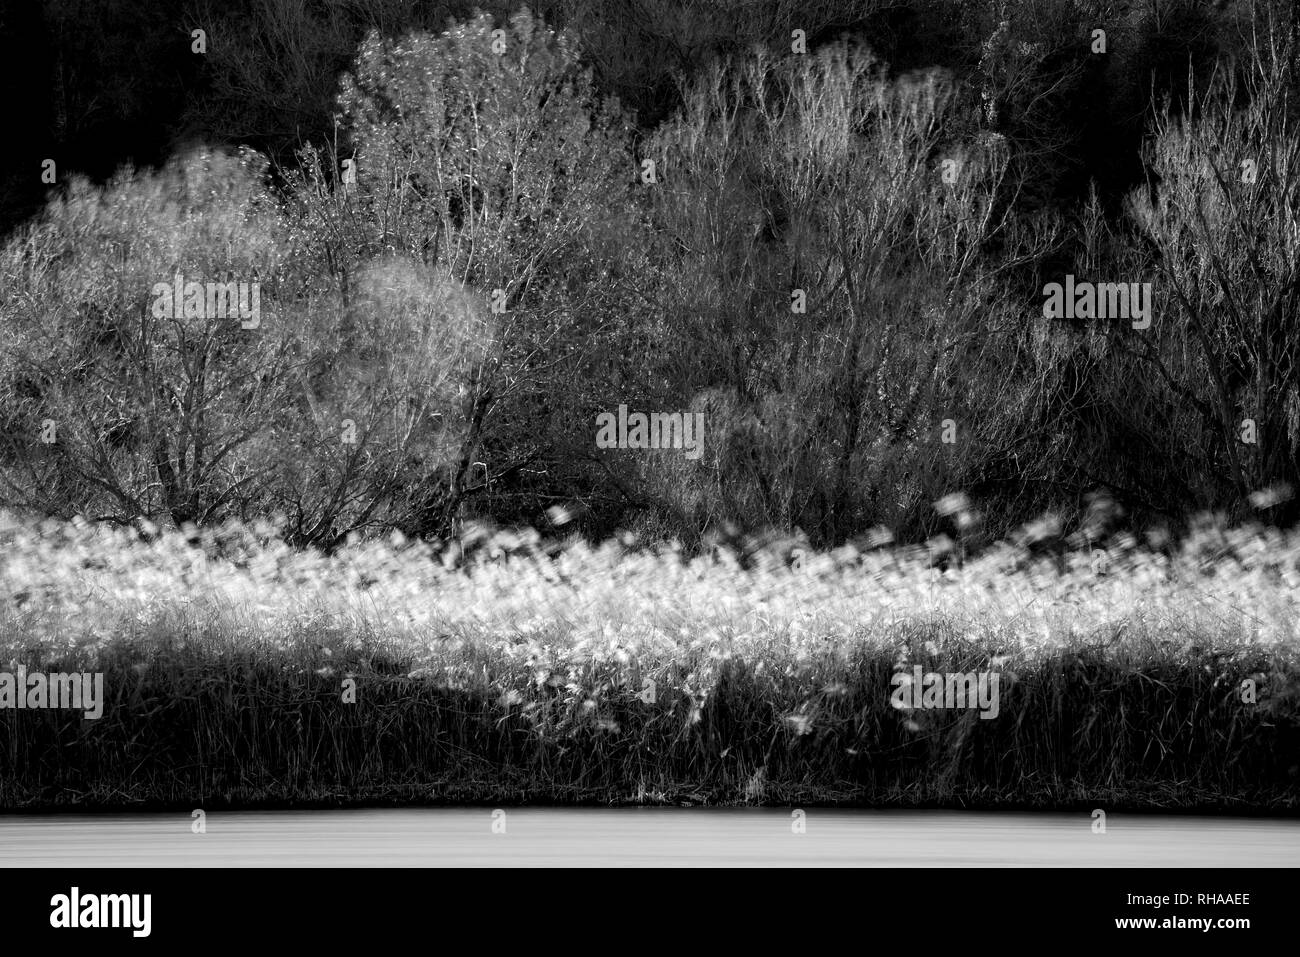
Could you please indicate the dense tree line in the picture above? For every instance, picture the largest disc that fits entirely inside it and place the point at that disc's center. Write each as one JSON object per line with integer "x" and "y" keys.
{"x": 432, "y": 245}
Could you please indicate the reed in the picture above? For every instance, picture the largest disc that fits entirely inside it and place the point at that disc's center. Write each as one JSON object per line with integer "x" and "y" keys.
{"x": 240, "y": 673}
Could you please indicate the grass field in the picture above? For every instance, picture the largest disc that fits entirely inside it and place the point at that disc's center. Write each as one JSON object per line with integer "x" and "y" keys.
{"x": 247, "y": 674}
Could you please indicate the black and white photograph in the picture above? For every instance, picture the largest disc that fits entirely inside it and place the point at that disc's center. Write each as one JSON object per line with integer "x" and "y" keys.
{"x": 649, "y": 434}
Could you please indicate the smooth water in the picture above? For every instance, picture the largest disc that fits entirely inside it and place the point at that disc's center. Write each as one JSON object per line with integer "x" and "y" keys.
{"x": 644, "y": 837}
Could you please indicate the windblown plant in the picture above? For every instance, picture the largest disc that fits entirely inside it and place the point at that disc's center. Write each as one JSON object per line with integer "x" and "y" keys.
{"x": 239, "y": 669}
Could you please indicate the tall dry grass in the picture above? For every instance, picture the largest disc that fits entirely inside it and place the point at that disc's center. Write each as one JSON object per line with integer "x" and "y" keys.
{"x": 527, "y": 678}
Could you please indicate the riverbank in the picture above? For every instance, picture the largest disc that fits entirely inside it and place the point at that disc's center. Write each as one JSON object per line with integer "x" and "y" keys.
{"x": 267, "y": 678}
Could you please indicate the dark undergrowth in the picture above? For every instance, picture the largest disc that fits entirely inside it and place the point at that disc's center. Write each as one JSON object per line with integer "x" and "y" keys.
{"x": 201, "y": 725}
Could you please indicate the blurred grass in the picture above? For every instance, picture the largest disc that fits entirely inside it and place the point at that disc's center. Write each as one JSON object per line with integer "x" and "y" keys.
{"x": 521, "y": 679}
